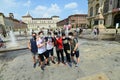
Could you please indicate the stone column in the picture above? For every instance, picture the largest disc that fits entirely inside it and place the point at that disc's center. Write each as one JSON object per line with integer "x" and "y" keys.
{"x": 119, "y": 3}
{"x": 116, "y": 2}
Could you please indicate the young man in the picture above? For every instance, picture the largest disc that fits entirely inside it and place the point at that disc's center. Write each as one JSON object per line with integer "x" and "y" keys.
{"x": 33, "y": 47}
{"x": 41, "y": 44}
{"x": 74, "y": 48}
{"x": 49, "y": 47}
{"x": 59, "y": 49}
{"x": 66, "y": 46}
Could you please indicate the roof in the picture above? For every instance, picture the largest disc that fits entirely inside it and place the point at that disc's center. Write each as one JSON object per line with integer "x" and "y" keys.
{"x": 56, "y": 16}
{"x": 27, "y": 15}
{"x": 2, "y": 14}
{"x": 42, "y": 18}
{"x": 78, "y": 15}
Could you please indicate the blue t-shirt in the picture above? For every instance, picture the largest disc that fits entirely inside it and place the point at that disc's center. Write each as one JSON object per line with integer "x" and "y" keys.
{"x": 33, "y": 43}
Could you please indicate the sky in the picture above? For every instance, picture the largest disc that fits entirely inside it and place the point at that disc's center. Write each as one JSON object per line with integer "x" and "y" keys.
{"x": 43, "y": 8}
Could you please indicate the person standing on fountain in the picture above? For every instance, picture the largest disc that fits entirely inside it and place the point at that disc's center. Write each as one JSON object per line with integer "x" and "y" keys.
{"x": 32, "y": 46}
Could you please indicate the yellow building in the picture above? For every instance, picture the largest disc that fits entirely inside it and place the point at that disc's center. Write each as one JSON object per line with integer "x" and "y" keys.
{"x": 103, "y": 12}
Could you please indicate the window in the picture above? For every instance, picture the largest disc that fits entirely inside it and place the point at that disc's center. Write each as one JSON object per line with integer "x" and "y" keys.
{"x": 96, "y": 22}
{"x": 91, "y": 11}
{"x": 97, "y": 8}
{"x": 118, "y": 4}
{"x": 106, "y": 6}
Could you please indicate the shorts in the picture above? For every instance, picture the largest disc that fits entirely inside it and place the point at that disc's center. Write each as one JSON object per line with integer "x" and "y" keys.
{"x": 50, "y": 52}
{"x": 46, "y": 54}
{"x": 41, "y": 56}
{"x": 34, "y": 53}
{"x": 76, "y": 53}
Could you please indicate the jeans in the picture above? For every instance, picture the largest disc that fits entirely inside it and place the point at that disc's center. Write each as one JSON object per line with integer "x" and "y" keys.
{"x": 60, "y": 52}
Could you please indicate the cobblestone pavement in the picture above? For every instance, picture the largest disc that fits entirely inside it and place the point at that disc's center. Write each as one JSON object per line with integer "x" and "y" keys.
{"x": 100, "y": 60}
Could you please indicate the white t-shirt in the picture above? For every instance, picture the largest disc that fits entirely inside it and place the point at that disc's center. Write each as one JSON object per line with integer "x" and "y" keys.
{"x": 41, "y": 49}
{"x": 49, "y": 43}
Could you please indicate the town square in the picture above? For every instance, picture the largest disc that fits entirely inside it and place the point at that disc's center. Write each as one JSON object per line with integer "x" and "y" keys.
{"x": 60, "y": 40}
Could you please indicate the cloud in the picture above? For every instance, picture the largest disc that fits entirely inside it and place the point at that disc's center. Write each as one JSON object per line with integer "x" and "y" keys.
{"x": 71, "y": 5}
{"x": 14, "y": 6}
{"x": 8, "y": 3}
{"x": 44, "y": 11}
{"x": 8, "y": 6}
{"x": 40, "y": 8}
{"x": 78, "y": 12}
{"x": 27, "y": 4}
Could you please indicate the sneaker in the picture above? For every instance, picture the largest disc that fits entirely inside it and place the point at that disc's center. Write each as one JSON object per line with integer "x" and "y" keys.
{"x": 47, "y": 64}
{"x": 53, "y": 62}
{"x": 64, "y": 63}
{"x": 34, "y": 65}
{"x": 77, "y": 65}
{"x": 58, "y": 62}
{"x": 42, "y": 68}
{"x": 70, "y": 64}
{"x": 74, "y": 62}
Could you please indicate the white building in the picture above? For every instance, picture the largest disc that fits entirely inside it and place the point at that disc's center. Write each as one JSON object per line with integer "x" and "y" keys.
{"x": 39, "y": 23}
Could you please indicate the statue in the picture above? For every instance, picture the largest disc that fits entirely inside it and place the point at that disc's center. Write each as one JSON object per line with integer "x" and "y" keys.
{"x": 99, "y": 10}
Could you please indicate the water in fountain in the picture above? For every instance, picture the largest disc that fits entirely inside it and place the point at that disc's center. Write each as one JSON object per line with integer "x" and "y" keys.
{"x": 30, "y": 31}
{"x": 13, "y": 42}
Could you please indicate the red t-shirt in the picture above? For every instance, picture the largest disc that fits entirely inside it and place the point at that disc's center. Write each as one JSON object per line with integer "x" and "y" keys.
{"x": 59, "y": 43}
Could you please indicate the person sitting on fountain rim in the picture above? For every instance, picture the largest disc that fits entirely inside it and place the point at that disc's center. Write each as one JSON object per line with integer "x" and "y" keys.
{"x": 32, "y": 46}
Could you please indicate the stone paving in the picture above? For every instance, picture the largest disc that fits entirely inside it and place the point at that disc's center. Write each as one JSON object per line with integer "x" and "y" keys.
{"x": 100, "y": 60}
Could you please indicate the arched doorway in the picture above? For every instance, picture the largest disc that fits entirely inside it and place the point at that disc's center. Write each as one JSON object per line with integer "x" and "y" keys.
{"x": 117, "y": 19}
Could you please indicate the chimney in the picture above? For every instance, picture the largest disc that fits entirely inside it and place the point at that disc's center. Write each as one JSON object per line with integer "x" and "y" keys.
{"x": 11, "y": 15}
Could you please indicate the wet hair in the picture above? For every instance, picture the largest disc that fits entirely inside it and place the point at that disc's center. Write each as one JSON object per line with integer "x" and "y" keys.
{"x": 49, "y": 33}
{"x": 63, "y": 34}
{"x": 40, "y": 32}
{"x": 55, "y": 33}
{"x": 70, "y": 33}
{"x": 33, "y": 33}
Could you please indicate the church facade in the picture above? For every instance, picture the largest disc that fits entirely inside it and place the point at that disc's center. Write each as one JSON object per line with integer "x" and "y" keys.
{"x": 110, "y": 9}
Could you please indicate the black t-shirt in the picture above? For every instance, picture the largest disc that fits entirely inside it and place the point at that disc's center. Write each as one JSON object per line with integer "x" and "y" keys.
{"x": 49, "y": 39}
{"x": 66, "y": 43}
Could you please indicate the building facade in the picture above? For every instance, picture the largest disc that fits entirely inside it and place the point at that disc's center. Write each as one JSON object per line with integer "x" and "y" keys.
{"x": 39, "y": 23}
{"x": 10, "y": 23}
{"x": 77, "y": 20}
{"x": 110, "y": 9}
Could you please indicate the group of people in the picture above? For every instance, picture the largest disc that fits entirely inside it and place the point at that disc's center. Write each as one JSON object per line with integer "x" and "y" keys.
{"x": 42, "y": 46}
